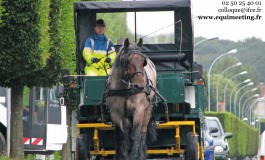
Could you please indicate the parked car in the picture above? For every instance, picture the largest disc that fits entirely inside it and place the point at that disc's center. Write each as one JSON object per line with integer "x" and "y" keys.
{"x": 209, "y": 143}
{"x": 220, "y": 143}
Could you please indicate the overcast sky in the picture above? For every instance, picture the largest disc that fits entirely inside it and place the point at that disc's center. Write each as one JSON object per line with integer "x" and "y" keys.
{"x": 235, "y": 30}
{"x": 229, "y": 29}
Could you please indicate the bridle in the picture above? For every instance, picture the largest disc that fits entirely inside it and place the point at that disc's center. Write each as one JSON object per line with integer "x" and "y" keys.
{"x": 126, "y": 77}
{"x": 125, "y": 63}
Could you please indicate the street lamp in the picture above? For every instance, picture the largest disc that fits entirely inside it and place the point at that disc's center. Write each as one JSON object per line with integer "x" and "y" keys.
{"x": 209, "y": 75}
{"x": 230, "y": 100}
{"x": 239, "y": 104}
{"x": 251, "y": 108}
{"x": 251, "y": 104}
{"x": 258, "y": 124}
{"x": 245, "y": 119}
{"x": 241, "y": 73}
{"x": 247, "y": 106}
{"x": 205, "y": 40}
{"x": 249, "y": 84}
{"x": 251, "y": 111}
{"x": 217, "y": 83}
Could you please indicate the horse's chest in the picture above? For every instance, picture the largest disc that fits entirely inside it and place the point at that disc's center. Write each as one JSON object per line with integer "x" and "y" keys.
{"x": 137, "y": 101}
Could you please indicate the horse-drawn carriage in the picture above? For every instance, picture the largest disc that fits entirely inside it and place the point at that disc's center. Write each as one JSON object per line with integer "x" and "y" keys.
{"x": 177, "y": 113}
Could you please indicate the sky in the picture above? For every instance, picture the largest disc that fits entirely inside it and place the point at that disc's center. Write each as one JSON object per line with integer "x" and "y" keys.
{"x": 227, "y": 29}
{"x": 235, "y": 30}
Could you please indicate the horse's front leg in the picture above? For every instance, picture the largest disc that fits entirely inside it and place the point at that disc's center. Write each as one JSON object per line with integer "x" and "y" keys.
{"x": 122, "y": 141}
{"x": 144, "y": 129}
{"x": 136, "y": 135}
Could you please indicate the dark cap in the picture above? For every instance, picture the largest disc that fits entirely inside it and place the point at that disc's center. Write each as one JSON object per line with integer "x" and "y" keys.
{"x": 100, "y": 22}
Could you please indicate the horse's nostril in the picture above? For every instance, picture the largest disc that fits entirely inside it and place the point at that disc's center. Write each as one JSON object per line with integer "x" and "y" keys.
{"x": 138, "y": 86}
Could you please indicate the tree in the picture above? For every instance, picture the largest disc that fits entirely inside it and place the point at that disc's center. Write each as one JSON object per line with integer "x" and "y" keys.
{"x": 69, "y": 61}
{"x": 23, "y": 61}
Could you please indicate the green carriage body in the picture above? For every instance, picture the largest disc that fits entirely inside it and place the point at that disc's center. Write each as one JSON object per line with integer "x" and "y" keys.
{"x": 179, "y": 82}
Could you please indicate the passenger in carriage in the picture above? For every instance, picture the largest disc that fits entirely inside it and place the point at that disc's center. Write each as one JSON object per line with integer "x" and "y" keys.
{"x": 99, "y": 52}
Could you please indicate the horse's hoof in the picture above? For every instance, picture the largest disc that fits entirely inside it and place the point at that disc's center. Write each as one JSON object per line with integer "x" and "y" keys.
{"x": 135, "y": 158}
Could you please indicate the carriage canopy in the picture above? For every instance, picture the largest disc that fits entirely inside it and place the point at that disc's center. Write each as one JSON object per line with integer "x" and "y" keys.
{"x": 166, "y": 31}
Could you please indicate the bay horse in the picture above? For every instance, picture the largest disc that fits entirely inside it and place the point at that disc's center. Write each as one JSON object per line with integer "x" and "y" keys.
{"x": 130, "y": 94}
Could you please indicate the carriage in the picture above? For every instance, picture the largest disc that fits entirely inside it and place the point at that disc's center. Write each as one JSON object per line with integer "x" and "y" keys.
{"x": 168, "y": 42}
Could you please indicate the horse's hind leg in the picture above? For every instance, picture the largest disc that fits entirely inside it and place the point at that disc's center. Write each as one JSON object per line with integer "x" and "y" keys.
{"x": 122, "y": 141}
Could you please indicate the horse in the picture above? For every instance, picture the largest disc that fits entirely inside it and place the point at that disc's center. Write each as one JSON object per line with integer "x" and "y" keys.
{"x": 130, "y": 95}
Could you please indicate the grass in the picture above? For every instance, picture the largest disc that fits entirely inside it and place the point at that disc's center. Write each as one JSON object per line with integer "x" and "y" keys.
{"x": 28, "y": 157}
{"x": 56, "y": 156}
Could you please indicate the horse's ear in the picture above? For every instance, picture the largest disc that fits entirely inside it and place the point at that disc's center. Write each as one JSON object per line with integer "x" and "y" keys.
{"x": 126, "y": 43}
{"x": 140, "y": 43}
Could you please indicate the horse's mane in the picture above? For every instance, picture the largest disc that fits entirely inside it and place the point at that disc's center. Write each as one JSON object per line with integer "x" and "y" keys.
{"x": 118, "y": 57}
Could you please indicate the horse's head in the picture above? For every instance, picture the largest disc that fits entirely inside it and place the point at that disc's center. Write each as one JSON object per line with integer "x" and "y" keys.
{"x": 134, "y": 62}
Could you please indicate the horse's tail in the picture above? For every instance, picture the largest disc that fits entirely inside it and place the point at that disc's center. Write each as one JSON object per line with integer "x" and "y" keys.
{"x": 151, "y": 130}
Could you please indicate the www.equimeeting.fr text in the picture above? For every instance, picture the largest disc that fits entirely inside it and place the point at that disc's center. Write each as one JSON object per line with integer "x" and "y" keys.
{"x": 236, "y": 10}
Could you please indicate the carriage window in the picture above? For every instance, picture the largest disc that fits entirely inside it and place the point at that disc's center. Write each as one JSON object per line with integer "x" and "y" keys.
{"x": 115, "y": 30}
{"x": 153, "y": 27}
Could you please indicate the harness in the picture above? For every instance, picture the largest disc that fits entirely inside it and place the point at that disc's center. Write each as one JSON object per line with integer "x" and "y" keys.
{"x": 130, "y": 91}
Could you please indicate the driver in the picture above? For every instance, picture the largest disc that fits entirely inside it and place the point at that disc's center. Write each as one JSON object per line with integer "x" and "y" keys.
{"x": 99, "y": 52}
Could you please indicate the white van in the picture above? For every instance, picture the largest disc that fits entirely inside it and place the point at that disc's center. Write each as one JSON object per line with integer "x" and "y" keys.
{"x": 44, "y": 120}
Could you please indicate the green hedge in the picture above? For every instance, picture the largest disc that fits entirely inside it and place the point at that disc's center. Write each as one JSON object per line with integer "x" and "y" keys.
{"x": 245, "y": 139}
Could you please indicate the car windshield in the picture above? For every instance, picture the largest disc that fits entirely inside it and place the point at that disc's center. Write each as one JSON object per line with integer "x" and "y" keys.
{"x": 212, "y": 123}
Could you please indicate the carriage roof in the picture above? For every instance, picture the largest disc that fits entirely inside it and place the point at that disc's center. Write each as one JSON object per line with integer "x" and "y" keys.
{"x": 132, "y": 5}
{"x": 177, "y": 56}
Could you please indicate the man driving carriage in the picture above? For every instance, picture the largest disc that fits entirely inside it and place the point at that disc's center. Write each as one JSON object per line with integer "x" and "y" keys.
{"x": 99, "y": 52}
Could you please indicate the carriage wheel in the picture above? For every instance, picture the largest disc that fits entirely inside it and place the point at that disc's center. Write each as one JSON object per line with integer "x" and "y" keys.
{"x": 82, "y": 151}
{"x": 191, "y": 152}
